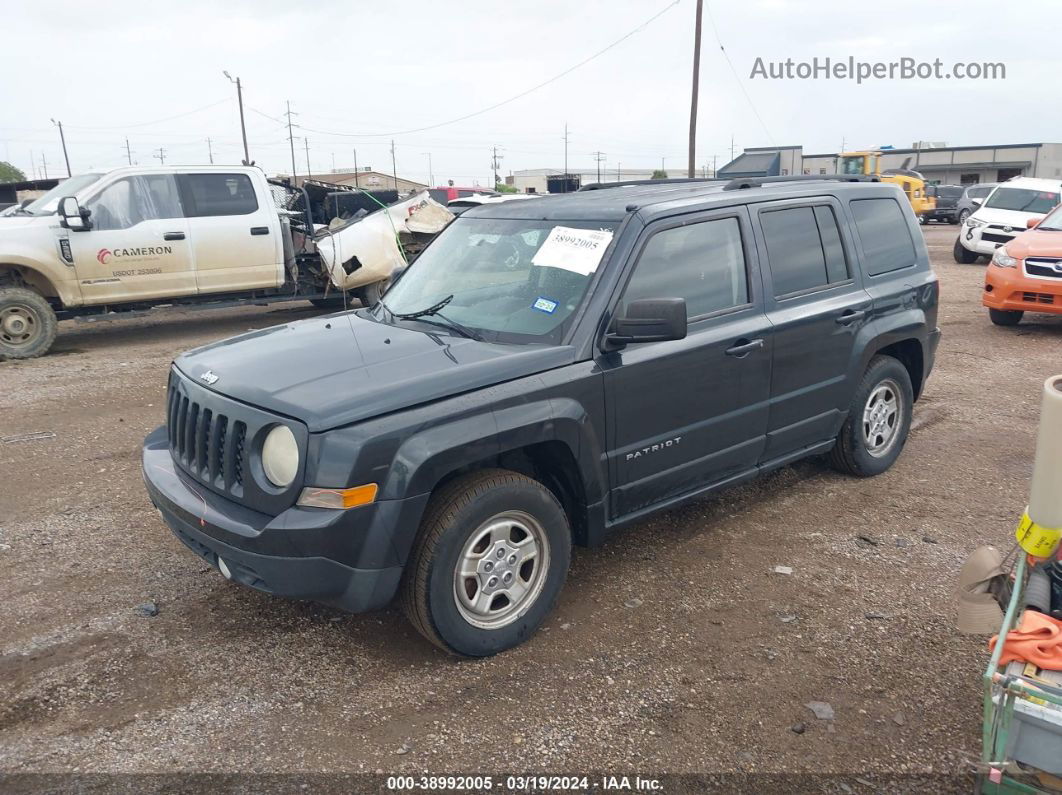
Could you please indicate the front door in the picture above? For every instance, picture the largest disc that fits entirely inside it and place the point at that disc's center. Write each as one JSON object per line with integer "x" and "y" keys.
{"x": 137, "y": 247}
{"x": 817, "y": 305}
{"x": 685, "y": 414}
{"x": 234, "y": 233}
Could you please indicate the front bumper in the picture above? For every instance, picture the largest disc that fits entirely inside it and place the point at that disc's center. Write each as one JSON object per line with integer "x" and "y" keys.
{"x": 972, "y": 238}
{"x": 350, "y": 559}
{"x": 1012, "y": 289}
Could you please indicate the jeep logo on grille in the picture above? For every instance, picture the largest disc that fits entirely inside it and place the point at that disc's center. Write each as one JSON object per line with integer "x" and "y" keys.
{"x": 209, "y": 377}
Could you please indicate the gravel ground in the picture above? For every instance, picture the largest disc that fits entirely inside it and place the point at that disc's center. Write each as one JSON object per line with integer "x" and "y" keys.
{"x": 674, "y": 649}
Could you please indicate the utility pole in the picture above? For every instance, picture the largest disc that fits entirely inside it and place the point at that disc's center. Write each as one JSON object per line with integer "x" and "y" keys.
{"x": 394, "y": 168}
{"x": 565, "y": 157}
{"x": 291, "y": 141}
{"x": 161, "y": 155}
{"x": 210, "y": 151}
{"x": 696, "y": 85}
{"x": 598, "y": 158}
{"x": 128, "y": 152}
{"x": 662, "y": 169}
{"x": 333, "y": 162}
{"x": 356, "y": 184}
{"x": 619, "y": 172}
{"x": 62, "y": 140}
{"x": 431, "y": 174}
{"x": 309, "y": 170}
{"x": 494, "y": 166}
{"x": 44, "y": 166}
{"x": 731, "y": 147}
{"x": 715, "y": 173}
{"x": 243, "y": 127}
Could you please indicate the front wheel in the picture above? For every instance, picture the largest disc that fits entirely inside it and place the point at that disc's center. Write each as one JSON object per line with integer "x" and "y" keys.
{"x": 27, "y": 323}
{"x": 962, "y": 254}
{"x": 491, "y": 557}
{"x": 1005, "y": 317}
{"x": 963, "y": 216}
{"x": 878, "y": 422}
{"x": 922, "y": 220}
{"x": 370, "y": 294}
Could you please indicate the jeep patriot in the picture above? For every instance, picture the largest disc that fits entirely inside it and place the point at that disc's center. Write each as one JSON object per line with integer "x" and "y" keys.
{"x": 544, "y": 373}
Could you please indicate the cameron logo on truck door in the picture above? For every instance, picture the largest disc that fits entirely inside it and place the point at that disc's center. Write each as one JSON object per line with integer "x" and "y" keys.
{"x": 104, "y": 254}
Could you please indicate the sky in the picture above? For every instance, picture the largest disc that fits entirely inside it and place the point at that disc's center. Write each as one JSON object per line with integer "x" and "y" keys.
{"x": 360, "y": 74}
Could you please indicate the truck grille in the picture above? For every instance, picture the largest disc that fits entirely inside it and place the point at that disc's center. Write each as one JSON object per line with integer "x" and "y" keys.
{"x": 197, "y": 442}
{"x": 210, "y": 439}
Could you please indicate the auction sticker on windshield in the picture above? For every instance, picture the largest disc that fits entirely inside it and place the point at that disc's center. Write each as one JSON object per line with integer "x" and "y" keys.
{"x": 576, "y": 250}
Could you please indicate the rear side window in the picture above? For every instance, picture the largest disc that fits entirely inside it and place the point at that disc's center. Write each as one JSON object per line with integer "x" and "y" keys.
{"x": 887, "y": 244}
{"x": 702, "y": 262}
{"x": 219, "y": 194}
{"x": 803, "y": 248}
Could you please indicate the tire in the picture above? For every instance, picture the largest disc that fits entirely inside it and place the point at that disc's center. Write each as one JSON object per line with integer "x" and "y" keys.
{"x": 963, "y": 255}
{"x": 370, "y": 294}
{"x": 468, "y": 520}
{"x": 921, "y": 220}
{"x": 963, "y": 216}
{"x": 1006, "y": 317}
{"x": 868, "y": 445}
{"x": 27, "y": 324}
{"x": 334, "y": 303}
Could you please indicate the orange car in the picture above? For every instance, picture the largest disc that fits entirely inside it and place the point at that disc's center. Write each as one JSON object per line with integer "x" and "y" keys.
{"x": 1025, "y": 275}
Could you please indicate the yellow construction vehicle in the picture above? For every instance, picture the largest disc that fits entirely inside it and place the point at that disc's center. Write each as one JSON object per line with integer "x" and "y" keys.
{"x": 912, "y": 182}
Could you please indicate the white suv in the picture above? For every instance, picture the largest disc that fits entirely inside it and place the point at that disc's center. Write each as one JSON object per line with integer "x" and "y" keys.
{"x": 1005, "y": 215}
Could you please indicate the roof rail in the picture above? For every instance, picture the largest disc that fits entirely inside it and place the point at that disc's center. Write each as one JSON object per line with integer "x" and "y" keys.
{"x": 626, "y": 183}
{"x": 756, "y": 182}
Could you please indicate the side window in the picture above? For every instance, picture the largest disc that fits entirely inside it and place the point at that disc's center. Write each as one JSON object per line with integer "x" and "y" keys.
{"x": 803, "y": 248}
{"x": 128, "y": 201}
{"x": 219, "y": 194}
{"x": 887, "y": 244}
{"x": 702, "y": 262}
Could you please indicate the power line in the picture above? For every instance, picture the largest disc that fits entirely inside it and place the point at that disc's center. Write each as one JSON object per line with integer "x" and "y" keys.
{"x": 504, "y": 102}
{"x": 733, "y": 71}
{"x": 156, "y": 121}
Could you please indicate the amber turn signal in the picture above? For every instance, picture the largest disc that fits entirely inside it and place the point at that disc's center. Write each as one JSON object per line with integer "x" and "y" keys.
{"x": 339, "y": 499}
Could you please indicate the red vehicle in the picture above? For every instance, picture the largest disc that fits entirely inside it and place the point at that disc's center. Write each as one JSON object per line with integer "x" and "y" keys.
{"x": 1026, "y": 274}
{"x": 445, "y": 193}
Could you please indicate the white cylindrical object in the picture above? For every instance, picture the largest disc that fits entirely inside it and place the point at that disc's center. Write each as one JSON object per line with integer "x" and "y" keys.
{"x": 1045, "y": 494}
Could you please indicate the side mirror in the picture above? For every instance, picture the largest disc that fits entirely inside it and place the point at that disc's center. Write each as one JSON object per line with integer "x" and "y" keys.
{"x": 1032, "y": 223}
{"x": 73, "y": 216}
{"x": 978, "y": 202}
{"x": 649, "y": 320}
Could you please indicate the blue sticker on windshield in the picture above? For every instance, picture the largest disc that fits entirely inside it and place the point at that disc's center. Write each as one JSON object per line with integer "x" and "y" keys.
{"x": 546, "y": 305}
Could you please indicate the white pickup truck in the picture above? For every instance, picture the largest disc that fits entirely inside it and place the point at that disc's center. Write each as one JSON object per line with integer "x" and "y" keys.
{"x": 137, "y": 238}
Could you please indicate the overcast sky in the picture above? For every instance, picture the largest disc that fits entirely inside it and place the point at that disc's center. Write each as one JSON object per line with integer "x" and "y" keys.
{"x": 152, "y": 72}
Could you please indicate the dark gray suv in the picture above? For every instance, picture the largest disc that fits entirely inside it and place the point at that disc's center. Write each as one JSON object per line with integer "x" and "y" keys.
{"x": 544, "y": 373}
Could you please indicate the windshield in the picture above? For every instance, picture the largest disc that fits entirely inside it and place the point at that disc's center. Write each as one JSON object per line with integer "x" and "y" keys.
{"x": 506, "y": 280}
{"x": 1022, "y": 200}
{"x": 1053, "y": 222}
{"x": 49, "y": 202}
{"x": 851, "y": 165}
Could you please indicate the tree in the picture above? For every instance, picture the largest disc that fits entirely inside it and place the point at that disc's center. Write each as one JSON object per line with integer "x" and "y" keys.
{"x": 659, "y": 174}
{"x": 501, "y": 187}
{"x": 8, "y": 173}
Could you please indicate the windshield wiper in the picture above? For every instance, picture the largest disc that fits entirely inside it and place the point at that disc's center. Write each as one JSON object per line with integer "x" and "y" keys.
{"x": 434, "y": 310}
{"x": 431, "y": 310}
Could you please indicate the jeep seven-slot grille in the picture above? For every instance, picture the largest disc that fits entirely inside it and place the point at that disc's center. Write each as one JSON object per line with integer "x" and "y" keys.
{"x": 200, "y": 442}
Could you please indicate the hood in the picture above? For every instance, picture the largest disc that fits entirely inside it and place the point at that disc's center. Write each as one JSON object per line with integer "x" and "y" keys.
{"x": 12, "y": 222}
{"x": 339, "y": 369}
{"x": 994, "y": 215}
{"x": 1036, "y": 243}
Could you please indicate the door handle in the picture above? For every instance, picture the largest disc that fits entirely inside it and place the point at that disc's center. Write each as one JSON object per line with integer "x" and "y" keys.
{"x": 259, "y": 230}
{"x": 851, "y": 316}
{"x": 742, "y": 349}
{"x": 173, "y": 236}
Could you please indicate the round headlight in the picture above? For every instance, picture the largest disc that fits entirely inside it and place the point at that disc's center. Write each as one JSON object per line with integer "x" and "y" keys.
{"x": 280, "y": 456}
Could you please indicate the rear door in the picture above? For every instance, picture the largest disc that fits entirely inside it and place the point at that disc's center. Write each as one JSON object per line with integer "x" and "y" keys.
{"x": 234, "y": 232}
{"x": 688, "y": 413}
{"x": 137, "y": 247}
{"x": 817, "y": 305}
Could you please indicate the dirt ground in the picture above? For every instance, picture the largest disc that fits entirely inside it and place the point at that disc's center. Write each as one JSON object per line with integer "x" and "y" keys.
{"x": 708, "y": 672}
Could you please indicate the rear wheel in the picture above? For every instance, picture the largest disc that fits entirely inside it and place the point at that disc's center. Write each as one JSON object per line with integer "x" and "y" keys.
{"x": 370, "y": 294}
{"x": 962, "y": 254}
{"x": 1006, "y": 317}
{"x": 27, "y": 323}
{"x": 921, "y": 219}
{"x": 878, "y": 422}
{"x": 490, "y": 560}
{"x": 334, "y": 302}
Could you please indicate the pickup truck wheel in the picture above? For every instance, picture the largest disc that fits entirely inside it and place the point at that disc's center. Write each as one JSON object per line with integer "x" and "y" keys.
{"x": 27, "y": 323}
{"x": 490, "y": 560}
{"x": 370, "y": 294}
{"x": 962, "y": 254}
{"x": 1006, "y": 317}
{"x": 878, "y": 422}
{"x": 963, "y": 216}
{"x": 333, "y": 302}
